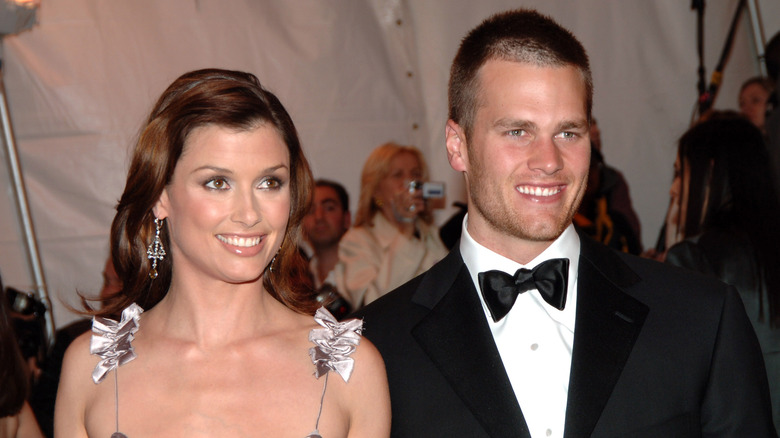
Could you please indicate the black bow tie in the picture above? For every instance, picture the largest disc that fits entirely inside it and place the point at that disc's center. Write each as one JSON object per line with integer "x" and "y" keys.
{"x": 500, "y": 289}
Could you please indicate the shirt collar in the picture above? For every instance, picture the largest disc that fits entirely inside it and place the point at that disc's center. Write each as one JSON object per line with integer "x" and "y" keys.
{"x": 479, "y": 258}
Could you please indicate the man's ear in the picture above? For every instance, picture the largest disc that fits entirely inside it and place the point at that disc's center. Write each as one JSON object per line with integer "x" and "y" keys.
{"x": 456, "y": 146}
{"x": 162, "y": 206}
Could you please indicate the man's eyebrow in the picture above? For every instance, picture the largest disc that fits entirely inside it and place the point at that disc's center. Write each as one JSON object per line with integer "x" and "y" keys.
{"x": 507, "y": 123}
{"x": 574, "y": 124}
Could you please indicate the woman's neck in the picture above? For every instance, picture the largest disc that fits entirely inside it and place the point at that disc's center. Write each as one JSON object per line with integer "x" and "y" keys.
{"x": 214, "y": 314}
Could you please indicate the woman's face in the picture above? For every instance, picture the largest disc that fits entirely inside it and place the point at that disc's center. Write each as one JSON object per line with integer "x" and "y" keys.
{"x": 752, "y": 104}
{"x": 404, "y": 167}
{"x": 227, "y": 204}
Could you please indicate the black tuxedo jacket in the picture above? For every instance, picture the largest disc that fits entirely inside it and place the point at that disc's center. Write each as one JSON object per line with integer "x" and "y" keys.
{"x": 658, "y": 352}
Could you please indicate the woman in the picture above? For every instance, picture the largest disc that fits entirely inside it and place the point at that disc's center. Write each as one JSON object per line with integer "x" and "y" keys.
{"x": 16, "y": 417}
{"x": 205, "y": 241}
{"x": 393, "y": 239}
{"x": 726, "y": 217}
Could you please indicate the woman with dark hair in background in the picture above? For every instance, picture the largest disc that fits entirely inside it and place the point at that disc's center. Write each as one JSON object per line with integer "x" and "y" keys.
{"x": 726, "y": 223}
{"x": 16, "y": 416}
{"x": 205, "y": 241}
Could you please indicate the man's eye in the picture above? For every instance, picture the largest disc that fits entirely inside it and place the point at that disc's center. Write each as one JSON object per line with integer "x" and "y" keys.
{"x": 217, "y": 184}
{"x": 516, "y": 132}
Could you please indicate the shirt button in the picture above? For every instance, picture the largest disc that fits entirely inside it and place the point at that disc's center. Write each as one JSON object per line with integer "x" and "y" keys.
{"x": 534, "y": 346}
{"x": 548, "y": 432}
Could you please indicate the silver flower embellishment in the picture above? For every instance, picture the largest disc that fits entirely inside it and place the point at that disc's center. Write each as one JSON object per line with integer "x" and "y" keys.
{"x": 334, "y": 343}
{"x": 111, "y": 340}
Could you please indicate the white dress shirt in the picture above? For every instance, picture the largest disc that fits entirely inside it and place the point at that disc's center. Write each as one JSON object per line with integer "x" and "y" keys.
{"x": 534, "y": 339}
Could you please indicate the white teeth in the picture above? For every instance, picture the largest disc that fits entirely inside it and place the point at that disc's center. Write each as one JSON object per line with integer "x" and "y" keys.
{"x": 538, "y": 191}
{"x": 244, "y": 242}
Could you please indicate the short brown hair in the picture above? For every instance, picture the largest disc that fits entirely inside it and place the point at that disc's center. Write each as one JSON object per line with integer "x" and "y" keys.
{"x": 521, "y": 35}
{"x": 224, "y": 98}
{"x": 761, "y": 81}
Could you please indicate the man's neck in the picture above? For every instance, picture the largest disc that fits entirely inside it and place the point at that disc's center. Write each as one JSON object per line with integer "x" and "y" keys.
{"x": 327, "y": 258}
{"x": 514, "y": 248}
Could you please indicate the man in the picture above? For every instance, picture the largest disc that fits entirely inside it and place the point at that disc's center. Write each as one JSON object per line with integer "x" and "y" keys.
{"x": 605, "y": 213}
{"x": 772, "y": 124}
{"x": 628, "y": 347}
{"x": 323, "y": 227}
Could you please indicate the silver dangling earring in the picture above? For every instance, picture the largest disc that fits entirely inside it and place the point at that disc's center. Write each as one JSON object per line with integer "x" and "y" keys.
{"x": 271, "y": 267}
{"x": 155, "y": 251}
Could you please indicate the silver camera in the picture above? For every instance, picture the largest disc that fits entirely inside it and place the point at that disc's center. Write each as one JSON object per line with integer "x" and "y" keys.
{"x": 430, "y": 190}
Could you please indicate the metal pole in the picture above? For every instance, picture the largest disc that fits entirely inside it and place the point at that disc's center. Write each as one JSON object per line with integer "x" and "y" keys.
{"x": 25, "y": 218}
{"x": 758, "y": 34}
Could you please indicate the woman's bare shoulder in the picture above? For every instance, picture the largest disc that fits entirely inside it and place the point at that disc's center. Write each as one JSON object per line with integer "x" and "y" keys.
{"x": 75, "y": 389}
{"x": 366, "y": 395}
{"x": 77, "y": 356}
{"x": 369, "y": 367}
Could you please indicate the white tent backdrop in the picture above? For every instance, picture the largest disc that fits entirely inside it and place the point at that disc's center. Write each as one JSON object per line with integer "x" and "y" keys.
{"x": 353, "y": 74}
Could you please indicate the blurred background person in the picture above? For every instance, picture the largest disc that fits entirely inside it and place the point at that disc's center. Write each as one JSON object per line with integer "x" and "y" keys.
{"x": 323, "y": 227}
{"x": 772, "y": 124}
{"x": 44, "y": 391}
{"x": 451, "y": 230}
{"x": 754, "y": 100}
{"x": 726, "y": 223}
{"x": 16, "y": 416}
{"x": 612, "y": 184}
{"x": 393, "y": 238}
{"x": 606, "y": 213}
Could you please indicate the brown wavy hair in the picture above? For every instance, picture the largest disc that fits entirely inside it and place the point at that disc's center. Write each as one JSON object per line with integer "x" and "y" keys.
{"x": 231, "y": 99}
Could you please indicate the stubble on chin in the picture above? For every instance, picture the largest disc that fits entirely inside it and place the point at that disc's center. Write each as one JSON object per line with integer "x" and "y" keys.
{"x": 505, "y": 222}
{"x": 495, "y": 207}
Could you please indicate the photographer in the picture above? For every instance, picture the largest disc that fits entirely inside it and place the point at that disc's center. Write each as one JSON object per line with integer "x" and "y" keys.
{"x": 393, "y": 239}
{"x": 16, "y": 417}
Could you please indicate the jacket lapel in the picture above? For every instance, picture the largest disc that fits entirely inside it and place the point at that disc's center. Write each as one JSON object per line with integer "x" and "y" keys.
{"x": 608, "y": 324}
{"x": 456, "y": 337}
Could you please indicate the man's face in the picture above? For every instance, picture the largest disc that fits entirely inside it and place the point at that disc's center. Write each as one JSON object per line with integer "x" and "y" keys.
{"x": 327, "y": 221}
{"x": 753, "y": 102}
{"x": 526, "y": 163}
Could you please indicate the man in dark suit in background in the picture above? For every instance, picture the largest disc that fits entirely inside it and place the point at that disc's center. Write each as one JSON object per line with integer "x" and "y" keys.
{"x": 527, "y": 330}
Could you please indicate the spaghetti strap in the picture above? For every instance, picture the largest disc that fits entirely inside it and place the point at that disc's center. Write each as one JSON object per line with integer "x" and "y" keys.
{"x": 112, "y": 342}
{"x": 334, "y": 344}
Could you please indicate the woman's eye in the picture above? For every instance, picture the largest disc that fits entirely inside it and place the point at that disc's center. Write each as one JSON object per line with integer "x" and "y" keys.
{"x": 217, "y": 184}
{"x": 270, "y": 183}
